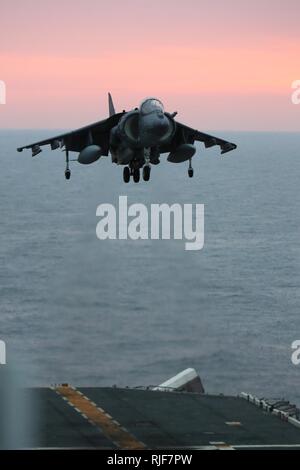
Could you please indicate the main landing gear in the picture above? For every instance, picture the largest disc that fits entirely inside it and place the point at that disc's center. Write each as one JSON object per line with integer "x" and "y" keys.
{"x": 147, "y": 167}
{"x": 135, "y": 173}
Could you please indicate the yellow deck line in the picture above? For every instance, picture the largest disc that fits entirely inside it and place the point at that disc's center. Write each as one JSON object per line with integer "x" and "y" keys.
{"x": 110, "y": 428}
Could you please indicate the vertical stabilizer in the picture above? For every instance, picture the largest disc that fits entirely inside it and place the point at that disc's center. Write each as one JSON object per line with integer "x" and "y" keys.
{"x": 111, "y": 105}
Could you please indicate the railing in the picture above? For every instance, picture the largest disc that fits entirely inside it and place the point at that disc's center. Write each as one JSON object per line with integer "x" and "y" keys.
{"x": 279, "y": 407}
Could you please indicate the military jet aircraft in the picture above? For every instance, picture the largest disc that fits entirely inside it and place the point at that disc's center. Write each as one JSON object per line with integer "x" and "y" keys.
{"x": 135, "y": 139}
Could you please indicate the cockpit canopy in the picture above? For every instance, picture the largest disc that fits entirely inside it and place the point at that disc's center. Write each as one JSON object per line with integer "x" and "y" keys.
{"x": 150, "y": 105}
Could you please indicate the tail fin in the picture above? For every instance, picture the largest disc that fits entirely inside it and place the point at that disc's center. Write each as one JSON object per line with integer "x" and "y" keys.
{"x": 111, "y": 107}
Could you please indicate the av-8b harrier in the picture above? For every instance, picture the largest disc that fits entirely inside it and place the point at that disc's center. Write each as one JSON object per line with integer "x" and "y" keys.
{"x": 135, "y": 139}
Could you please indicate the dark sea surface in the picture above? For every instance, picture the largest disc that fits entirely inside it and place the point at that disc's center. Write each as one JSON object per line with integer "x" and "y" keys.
{"x": 89, "y": 312}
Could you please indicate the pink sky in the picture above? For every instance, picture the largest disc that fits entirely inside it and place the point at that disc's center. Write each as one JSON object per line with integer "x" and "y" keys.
{"x": 222, "y": 64}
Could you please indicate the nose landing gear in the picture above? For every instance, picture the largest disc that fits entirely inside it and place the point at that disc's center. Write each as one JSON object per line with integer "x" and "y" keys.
{"x": 126, "y": 174}
{"x": 146, "y": 172}
{"x": 136, "y": 175}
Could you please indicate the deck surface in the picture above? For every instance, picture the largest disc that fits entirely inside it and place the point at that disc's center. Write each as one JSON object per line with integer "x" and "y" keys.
{"x": 118, "y": 418}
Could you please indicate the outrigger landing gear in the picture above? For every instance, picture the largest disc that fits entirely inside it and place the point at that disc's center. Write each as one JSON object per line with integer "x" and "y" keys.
{"x": 68, "y": 174}
{"x": 190, "y": 170}
{"x": 68, "y": 171}
{"x": 126, "y": 174}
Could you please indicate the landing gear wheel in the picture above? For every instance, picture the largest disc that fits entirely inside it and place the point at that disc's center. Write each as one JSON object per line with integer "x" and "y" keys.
{"x": 146, "y": 172}
{"x": 191, "y": 172}
{"x": 68, "y": 171}
{"x": 68, "y": 174}
{"x": 126, "y": 174}
{"x": 136, "y": 175}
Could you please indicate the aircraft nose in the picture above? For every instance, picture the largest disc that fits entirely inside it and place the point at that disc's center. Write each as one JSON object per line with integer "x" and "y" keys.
{"x": 153, "y": 130}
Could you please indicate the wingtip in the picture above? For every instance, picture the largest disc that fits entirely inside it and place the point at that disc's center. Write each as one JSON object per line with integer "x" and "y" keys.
{"x": 228, "y": 148}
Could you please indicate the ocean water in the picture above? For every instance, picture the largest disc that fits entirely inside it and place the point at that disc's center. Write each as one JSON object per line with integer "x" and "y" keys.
{"x": 88, "y": 312}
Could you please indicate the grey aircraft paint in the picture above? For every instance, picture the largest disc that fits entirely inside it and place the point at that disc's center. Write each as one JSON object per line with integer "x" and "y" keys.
{"x": 135, "y": 139}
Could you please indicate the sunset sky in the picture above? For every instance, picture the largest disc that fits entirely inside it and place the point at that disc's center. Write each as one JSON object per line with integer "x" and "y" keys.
{"x": 222, "y": 64}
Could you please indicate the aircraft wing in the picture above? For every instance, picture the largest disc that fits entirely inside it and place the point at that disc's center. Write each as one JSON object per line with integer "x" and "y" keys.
{"x": 97, "y": 133}
{"x": 187, "y": 135}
